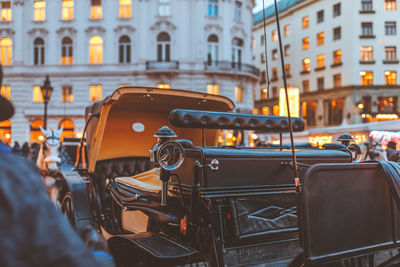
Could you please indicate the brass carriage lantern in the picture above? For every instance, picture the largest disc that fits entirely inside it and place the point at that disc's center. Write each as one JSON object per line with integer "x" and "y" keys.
{"x": 46, "y": 90}
{"x": 345, "y": 139}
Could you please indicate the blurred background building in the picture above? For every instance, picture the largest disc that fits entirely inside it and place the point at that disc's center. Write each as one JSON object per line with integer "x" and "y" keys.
{"x": 342, "y": 55}
{"x": 90, "y": 48}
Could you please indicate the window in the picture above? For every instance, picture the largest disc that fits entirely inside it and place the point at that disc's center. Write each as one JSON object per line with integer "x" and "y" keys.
{"x": 237, "y": 46}
{"x": 238, "y": 10}
{"x": 274, "y": 74}
{"x": 286, "y": 30}
{"x": 387, "y": 105}
{"x": 124, "y": 49}
{"x": 320, "y": 61}
{"x": 262, "y": 57}
{"x": 163, "y": 47}
{"x": 336, "y": 10}
{"x": 36, "y": 133}
{"x": 66, "y": 51}
{"x": 68, "y": 128}
{"x": 390, "y": 5}
{"x": 265, "y": 110}
{"x": 337, "y": 56}
{"x": 306, "y": 86}
{"x": 320, "y": 83}
{"x": 320, "y": 38}
{"x": 274, "y": 54}
{"x": 306, "y": 65}
{"x": 306, "y": 43}
{"x": 95, "y": 92}
{"x": 125, "y": 9}
{"x": 38, "y": 51}
{"x": 337, "y": 32}
{"x": 275, "y": 94}
{"x": 264, "y": 93}
{"x": 286, "y": 50}
{"x": 67, "y": 9}
{"x": 263, "y": 76}
{"x": 39, "y": 10}
{"x": 5, "y": 51}
{"x": 366, "y": 5}
{"x": 163, "y": 86}
{"x": 238, "y": 94}
{"x": 213, "y": 89}
{"x": 308, "y": 112}
{"x": 96, "y": 50}
{"x": 37, "y": 94}
{"x": 390, "y": 28}
{"x": 367, "y": 77}
{"x": 334, "y": 111}
{"x": 287, "y": 70}
{"x": 305, "y": 22}
{"x": 5, "y": 11}
{"x": 164, "y": 8}
{"x": 262, "y": 39}
{"x": 274, "y": 36}
{"x": 5, "y": 91}
{"x": 390, "y": 53}
{"x": 96, "y": 10}
{"x": 213, "y": 50}
{"x": 367, "y": 53}
{"x": 390, "y": 77}
{"x": 337, "y": 80}
{"x": 366, "y": 29}
{"x": 320, "y": 16}
{"x": 212, "y": 10}
{"x": 67, "y": 95}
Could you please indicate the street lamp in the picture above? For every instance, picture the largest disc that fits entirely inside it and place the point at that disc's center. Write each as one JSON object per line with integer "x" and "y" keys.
{"x": 46, "y": 94}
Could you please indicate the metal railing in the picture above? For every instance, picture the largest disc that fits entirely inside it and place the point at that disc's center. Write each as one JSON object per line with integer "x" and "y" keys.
{"x": 162, "y": 65}
{"x": 231, "y": 67}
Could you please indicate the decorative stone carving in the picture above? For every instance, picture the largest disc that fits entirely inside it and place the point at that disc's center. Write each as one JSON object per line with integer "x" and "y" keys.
{"x": 238, "y": 31}
{"x": 66, "y": 31}
{"x": 18, "y": 2}
{"x": 95, "y": 30}
{"x": 38, "y": 31}
{"x": 211, "y": 27}
{"x": 124, "y": 28}
{"x": 7, "y": 32}
{"x": 163, "y": 25}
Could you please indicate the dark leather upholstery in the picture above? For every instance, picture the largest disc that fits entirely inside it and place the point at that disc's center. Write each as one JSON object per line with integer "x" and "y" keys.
{"x": 225, "y": 120}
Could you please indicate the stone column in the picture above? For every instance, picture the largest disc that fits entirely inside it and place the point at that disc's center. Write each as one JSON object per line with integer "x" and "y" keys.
{"x": 18, "y": 19}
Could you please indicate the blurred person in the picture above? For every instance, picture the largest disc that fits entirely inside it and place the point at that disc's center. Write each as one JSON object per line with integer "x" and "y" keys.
{"x": 391, "y": 152}
{"x": 4, "y": 147}
{"x": 35, "y": 148}
{"x": 16, "y": 148}
{"x": 26, "y": 150}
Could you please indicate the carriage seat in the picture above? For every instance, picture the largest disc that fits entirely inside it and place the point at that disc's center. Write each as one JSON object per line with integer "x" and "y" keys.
{"x": 148, "y": 181}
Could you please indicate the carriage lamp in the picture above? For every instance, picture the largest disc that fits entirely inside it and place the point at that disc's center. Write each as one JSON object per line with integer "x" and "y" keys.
{"x": 345, "y": 139}
{"x": 46, "y": 90}
{"x": 167, "y": 154}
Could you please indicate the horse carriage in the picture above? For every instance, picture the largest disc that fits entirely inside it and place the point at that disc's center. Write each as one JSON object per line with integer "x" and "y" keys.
{"x": 162, "y": 191}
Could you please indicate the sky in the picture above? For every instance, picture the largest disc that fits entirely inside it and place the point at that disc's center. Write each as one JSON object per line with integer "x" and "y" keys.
{"x": 258, "y": 6}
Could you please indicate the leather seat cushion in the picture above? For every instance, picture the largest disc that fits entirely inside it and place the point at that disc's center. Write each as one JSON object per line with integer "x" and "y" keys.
{"x": 147, "y": 181}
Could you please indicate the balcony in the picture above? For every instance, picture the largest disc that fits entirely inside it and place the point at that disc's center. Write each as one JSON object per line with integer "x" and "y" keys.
{"x": 226, "y": 66}
{"x": 162, "y": 66}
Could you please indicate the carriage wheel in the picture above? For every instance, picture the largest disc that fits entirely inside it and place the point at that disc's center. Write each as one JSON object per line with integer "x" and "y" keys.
{"x": 67, "y": 208}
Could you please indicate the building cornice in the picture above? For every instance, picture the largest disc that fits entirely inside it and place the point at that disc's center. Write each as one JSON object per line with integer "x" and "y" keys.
{"x": 95, "y": 30}
{"x": 163, "y": 24}
{"x": 66, "y": 31}
{"x": 6, "y": 32}
{"x": 38, "y": 31}
{"x": 124, "y": 28}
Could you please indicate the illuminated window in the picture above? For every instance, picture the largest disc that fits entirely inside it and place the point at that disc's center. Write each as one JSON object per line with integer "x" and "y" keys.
{"x": 67, "y": 95}
{"x": 274, "y": 36}
{"x": 286, "y": 50}
{"x": 5, "y": 11}
{"x": 124, "y": 49}
{"x": 309, "y": 112}
{"x": 212, "y": 9}
{"x": 390, "y": 53}
{"x": 38, "y": 51}
{"x": 238, "y": 11}
{"x": 274, "y": 54}
{"x": 390, "y": 77}
{"x": 68, "y": 128}
{"x": 37, "y": 94}
{"x": 274, "y": 72}
{"x": 212, "y": 50}
{"x": 39, "y": 10}
{"x": 263, "y": 94}
{"x": 5, "y": 51}
{"x": 306, "y": 64}
{"x": 125, "y": 9}
{"x": 95, "y": 92}
{"x": 67, "y": 9}
{"x": 367, "y": 53}
{"x": 336, "y": 10}
{"x": 320, "y": 16}
{"x": 337, "y": 56}
{"x": 36, "y": 134}
{"x": 5, "y": 131}
{"x": 66, "y": 51}
{"x": 265, "y": 110}
{"x": 164, "y": 8}
{"x": 390, "y": 5}
{"x": 306, "y": 22}
{"x": 275, "y": 109}
{"x": 366, "y": 29}
{"x": 163, "y": 86}
{"x": 390, "y": 28}
{"x": 306, "y": 43}
{"x": 213, "y": 89}
{"x": 287, "y": 70}
{"x": 96, "y": 10}
{"x": 367, "y": 77}
{"x": 286, "y": 30}
{"x": 334, "y": 111}
{"x": 163, "y": 47}
{"x": 238, "y": 94}
{"x": 337, "y": 80}
{"x": 321, "y": 61}
{"x": 320, "y": 38}
{"x": 306, "y": 86}
{"x": 96, "y": 50}
{"x": 5, "y": 91}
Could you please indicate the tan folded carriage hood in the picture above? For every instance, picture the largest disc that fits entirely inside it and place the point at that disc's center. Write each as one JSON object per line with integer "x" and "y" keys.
{"x": 112, "y": 134}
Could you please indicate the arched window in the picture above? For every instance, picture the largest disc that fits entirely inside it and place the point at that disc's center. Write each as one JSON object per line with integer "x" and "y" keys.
{"x": 96, "y": 50}
{"x": 5, "y": 51}
{"x": 69, "y": 128}
{"x": 36, "y": 134}
{"x": 5, "y": 131}
{"x": 38, "y": 51}
{"x": 237, "y": 46}
{"x": 66, "y": 51}
{"x": 212, "y": 50}
{"x": 163, "y": 47}
{"x": 124, "y": 49}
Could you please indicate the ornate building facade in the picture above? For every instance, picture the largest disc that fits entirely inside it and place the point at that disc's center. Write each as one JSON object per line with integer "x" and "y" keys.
{"x": 90, "y": 48}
